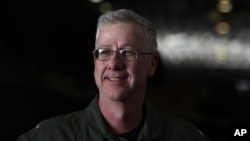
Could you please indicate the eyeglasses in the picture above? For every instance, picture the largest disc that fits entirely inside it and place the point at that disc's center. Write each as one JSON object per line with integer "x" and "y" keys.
{"x": 129, "y": 54}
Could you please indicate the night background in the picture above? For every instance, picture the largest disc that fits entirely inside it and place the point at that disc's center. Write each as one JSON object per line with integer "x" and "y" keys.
{"x": 203, "y": 75}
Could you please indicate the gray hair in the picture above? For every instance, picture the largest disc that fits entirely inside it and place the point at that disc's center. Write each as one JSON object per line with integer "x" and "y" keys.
{"x": 125, "y": 15}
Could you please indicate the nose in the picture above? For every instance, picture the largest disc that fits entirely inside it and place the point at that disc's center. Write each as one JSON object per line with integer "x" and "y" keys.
{"x": 115, "y": 62}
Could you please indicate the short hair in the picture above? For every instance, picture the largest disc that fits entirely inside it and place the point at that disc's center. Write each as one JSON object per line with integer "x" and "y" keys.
{"x": 125, "y": 15}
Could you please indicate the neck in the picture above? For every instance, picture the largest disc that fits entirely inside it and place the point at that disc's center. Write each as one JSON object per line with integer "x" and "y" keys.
{"x": 121, "y": 116}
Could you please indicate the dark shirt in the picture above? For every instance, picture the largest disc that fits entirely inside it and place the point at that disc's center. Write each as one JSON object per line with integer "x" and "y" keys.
{"x": 132, "y": 135}
{"x": 89, "y": 125}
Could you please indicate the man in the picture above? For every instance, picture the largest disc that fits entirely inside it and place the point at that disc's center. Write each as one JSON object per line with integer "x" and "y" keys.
{"x": 124, "y": 57}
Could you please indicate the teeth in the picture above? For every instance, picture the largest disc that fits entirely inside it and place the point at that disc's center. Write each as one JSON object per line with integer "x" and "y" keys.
{"x": 115, "y": 78}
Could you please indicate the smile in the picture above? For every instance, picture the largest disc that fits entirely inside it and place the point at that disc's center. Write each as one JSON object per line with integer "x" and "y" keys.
{"x": 115, "y": 79}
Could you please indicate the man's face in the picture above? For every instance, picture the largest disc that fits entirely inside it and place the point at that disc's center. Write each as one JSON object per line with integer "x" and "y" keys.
{"x": 119, "y": 79}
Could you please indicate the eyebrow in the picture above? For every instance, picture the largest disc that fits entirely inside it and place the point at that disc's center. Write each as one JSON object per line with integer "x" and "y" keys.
{"x": 105, "y": 46}
{"x": 121, "y": 47}
{"x": 126, "y": 45}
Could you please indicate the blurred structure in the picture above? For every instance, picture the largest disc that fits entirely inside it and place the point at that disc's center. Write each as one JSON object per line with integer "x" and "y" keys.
{"x": 203, "y": 75}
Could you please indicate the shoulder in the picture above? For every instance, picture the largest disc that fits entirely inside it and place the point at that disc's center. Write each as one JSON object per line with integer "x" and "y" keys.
{"x": 55, "y": 127}
{"x": 180, "y": 128}
{"x": 170, "y": 127}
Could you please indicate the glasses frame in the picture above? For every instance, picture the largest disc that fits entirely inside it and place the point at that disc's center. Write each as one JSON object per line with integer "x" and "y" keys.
{"x": 120, "y": 53}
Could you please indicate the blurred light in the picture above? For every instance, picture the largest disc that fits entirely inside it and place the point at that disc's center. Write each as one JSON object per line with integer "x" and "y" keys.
{"x": 203, "y": 50}
{"x": 224, "y": 6}
{"x": 214, "y": 16}
{"x": 221, "y": 55}
{"x": 105, "y": 7}
{"x": 222, "y": 28}
{"x": 242, "y": 87}
{"x": 95, "y": 1}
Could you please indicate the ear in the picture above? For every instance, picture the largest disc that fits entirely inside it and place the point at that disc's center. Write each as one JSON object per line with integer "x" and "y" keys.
{"x": 154, "y": 63}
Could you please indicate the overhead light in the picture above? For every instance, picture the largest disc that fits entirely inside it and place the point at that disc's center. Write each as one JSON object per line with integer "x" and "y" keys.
{"x": 105, "y": 7}
{"x": 222, "y": 28}
{"x": 224, "y": 6}
{"x": 95, "y": 1}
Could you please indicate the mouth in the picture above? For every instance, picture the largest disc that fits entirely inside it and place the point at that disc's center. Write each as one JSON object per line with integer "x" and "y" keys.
{"x": 115, "y": 79}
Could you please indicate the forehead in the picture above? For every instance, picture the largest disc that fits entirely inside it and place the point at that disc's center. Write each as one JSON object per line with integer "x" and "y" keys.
{"x": 120, "y": 33}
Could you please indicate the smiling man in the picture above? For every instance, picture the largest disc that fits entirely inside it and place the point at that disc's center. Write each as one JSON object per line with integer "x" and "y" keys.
{"x": 122, "y": 66}
{"x": 125, "y": 58}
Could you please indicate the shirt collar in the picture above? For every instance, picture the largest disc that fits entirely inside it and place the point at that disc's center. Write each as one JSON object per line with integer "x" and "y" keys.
{"x": 152, "y": 124}
{"x": 150, "y": 129}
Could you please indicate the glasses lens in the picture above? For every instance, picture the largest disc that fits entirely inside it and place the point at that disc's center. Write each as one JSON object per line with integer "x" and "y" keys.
{"x": 102, "y": 54}
{"x": 128, "y": 54}
{"x": 105, "y": 54}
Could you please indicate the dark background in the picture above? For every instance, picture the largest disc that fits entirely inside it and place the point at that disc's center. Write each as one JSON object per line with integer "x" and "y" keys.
{"x": 47, "y": 66}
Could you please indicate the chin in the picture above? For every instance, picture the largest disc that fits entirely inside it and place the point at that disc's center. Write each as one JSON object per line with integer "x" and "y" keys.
{"x": 118, "y": 96}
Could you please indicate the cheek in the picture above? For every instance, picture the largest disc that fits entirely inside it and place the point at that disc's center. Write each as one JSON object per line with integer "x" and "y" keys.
{"x": 96, "y": 76}
{"x": 140, "y": 69}
{"x": 98, "y": 72}
{"x": 95, "y": 73}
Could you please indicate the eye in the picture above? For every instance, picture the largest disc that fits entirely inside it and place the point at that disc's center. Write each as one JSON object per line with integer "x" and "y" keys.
{"x": 104, "y": 52}
{"x": 128, "y": 52}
